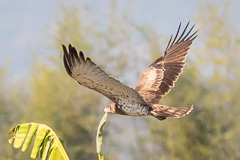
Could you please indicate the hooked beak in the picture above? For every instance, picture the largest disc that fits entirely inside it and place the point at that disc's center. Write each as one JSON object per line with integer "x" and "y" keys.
{"x": 106, "y": 110}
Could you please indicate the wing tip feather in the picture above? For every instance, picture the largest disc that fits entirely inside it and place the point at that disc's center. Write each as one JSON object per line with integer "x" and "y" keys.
{"x": 66, "y": 60}
{"x": 183, "y": 37}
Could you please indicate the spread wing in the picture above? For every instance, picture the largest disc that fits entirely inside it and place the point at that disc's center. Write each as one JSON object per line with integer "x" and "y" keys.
{"x": 158, "y": 79}
{"x": 89, "y": 75}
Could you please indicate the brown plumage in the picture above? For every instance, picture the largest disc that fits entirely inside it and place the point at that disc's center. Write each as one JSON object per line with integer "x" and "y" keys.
{"x": 154, "y": 83}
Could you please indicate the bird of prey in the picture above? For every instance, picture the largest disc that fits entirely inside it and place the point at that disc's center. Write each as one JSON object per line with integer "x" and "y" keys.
{"x": 154, "y": 82}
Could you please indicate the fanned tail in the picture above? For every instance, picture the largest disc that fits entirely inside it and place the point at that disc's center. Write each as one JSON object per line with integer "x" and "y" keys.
{"x": 161, "y": 112}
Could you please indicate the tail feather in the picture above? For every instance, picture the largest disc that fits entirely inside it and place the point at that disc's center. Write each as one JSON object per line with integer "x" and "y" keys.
{"x": 161, "y": 112}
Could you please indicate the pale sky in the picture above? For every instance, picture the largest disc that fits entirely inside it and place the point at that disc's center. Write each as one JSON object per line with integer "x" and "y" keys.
{"x": 23, "y": 24}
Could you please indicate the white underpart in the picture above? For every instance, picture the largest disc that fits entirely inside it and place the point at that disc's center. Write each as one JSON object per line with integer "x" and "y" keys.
{"x": 134, "y": 109}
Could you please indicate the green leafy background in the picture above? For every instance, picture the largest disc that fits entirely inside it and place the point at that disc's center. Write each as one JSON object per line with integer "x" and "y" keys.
{"x": 124, "y": 47}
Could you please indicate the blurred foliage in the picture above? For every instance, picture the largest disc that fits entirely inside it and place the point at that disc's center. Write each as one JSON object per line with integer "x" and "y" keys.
{"x": 210, "y": 81}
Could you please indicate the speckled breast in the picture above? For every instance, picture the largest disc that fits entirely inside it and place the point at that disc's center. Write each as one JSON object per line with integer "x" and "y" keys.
{"x": 135, "y": 109}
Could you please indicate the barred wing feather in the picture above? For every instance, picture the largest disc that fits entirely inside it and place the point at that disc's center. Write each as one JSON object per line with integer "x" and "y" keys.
{"x": 89, "y": 75}
{"x": 158, "y": 79}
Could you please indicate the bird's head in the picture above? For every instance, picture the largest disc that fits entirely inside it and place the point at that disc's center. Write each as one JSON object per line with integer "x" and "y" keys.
{"x": 111, "y": 108}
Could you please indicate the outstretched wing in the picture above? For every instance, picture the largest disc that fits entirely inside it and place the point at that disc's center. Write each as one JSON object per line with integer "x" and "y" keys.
{"x": 158, "y": 79}
{"x": 89, "y": 75}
